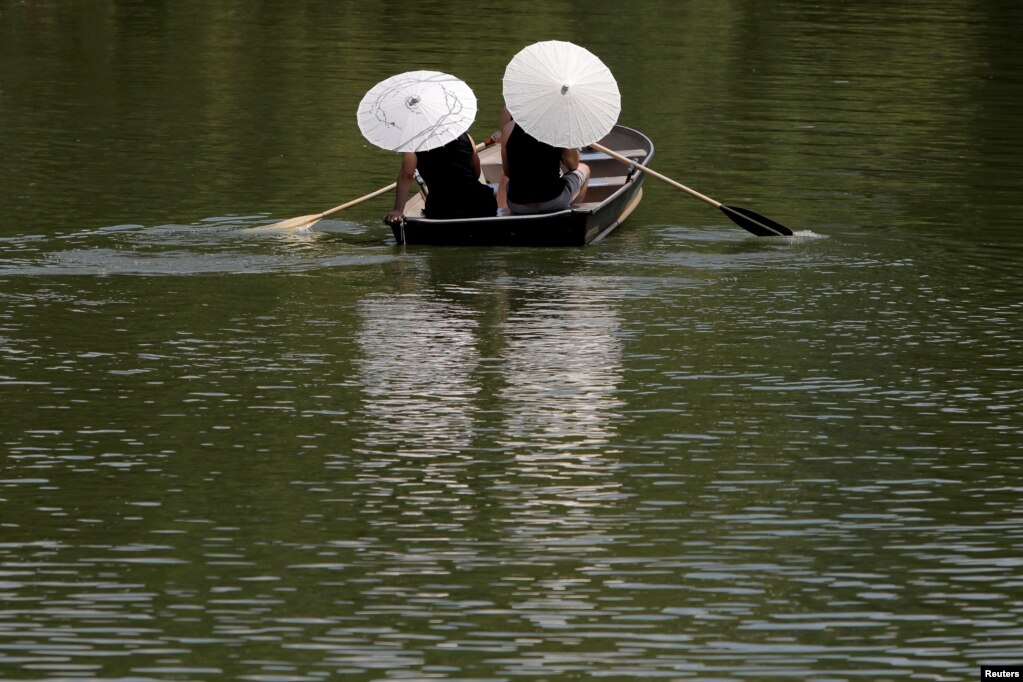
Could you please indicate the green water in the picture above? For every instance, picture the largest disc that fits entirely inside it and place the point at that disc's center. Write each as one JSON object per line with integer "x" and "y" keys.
{"x": 683, "y": 453}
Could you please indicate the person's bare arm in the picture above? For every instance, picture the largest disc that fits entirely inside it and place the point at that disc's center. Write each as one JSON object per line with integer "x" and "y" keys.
{"x": 506, "y": 117}
{"x": 504, "y": 146}
{"x": 406, "y": 176}
{"x": 570, "y": 159}
{"x": 475, "y": 158}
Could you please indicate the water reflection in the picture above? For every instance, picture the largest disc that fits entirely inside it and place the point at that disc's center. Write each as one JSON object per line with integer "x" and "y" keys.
{"x": 489, "y": 411}
{"x": 561, "y": 372}
{"x": 533, "y": 376}
{"x": 561, "y": 355}
{"x": 417, "y": 366}
{"x": 435, "y": 363}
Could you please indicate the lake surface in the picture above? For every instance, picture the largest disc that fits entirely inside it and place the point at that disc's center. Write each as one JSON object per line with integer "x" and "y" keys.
{"x": 683, "y": 453}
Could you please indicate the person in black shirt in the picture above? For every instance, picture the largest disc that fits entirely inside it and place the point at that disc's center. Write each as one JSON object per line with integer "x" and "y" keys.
{"x": 451, "y": 174}
{"x": 536, "y": 183}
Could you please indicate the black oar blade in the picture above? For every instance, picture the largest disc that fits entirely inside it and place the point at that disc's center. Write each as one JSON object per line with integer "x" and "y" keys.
{"x": 751, "y": 221}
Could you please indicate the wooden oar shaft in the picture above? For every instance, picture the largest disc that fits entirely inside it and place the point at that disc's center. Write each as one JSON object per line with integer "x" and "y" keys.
{"x": 306, "y": 221}
{"x": 650, "y": 171}
{"x": 353, "y": 202}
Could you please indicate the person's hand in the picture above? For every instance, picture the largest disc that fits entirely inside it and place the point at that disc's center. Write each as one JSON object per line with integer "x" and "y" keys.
{"x": 494, "y": 138}
{"x": 394, "y": 218}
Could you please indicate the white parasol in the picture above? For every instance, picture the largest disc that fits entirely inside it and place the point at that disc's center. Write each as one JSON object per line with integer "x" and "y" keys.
{"x": 416, "y": 111}
{"x": 561, "y": 94}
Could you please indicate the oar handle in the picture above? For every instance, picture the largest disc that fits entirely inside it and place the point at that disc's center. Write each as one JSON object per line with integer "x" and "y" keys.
{"x": 650, "y": 171}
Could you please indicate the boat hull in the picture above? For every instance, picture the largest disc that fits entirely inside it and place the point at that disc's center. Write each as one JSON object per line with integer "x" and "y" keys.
{"x": 619, "y": 191}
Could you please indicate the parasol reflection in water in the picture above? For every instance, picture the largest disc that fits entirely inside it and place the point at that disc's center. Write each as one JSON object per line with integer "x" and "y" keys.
{"x": 562, "y": 353}
{"x": 425, "y": 378}
{"x": 418, "y": 356}
{"x": 450, "y": 432}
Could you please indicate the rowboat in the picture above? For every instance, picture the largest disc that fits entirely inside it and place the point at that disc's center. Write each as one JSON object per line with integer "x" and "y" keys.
{"x": 614, "y": 192}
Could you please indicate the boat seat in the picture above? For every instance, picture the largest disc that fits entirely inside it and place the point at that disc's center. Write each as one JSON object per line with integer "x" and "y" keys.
{"x": 593, "y": 155}
{"x": 609, "y": 181}
{"x": 602, "y": 181}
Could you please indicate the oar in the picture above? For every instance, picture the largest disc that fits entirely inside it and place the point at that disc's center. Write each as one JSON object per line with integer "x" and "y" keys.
{"x": 749, "y": 220}
{"x": 305, "y": 221}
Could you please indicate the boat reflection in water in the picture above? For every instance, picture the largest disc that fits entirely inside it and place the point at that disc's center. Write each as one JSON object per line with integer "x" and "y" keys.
{"x": 488, "y": 414}
{"x": 547, "y": 383}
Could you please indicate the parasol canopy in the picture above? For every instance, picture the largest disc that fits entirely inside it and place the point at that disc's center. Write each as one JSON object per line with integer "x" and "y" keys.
{"x": 561, "y": 94}
{"x": 416, "y": 111}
